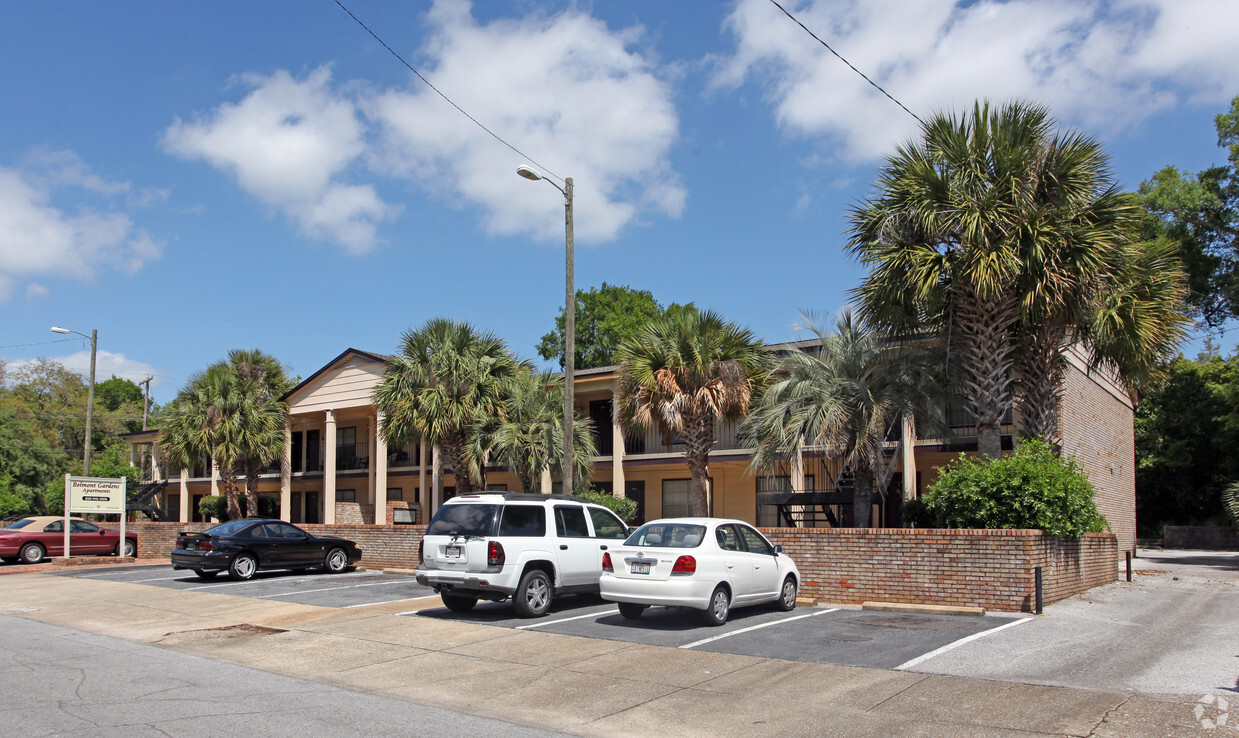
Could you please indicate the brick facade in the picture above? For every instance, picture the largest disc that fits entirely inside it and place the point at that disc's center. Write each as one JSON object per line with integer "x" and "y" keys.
{"x": 993, "y": 569}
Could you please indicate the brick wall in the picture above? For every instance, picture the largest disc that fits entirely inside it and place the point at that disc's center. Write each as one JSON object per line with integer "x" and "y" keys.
{"x": 993, "y": 569}
{"x": 1097, "y": 427}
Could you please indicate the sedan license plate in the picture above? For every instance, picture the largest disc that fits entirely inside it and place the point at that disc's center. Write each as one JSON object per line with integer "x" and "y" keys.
{"x": 452, "y": 552}
{"x": 641, "y": 567}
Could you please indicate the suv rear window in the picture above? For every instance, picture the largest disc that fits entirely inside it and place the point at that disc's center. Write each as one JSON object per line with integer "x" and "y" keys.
{"x": 464, "y": 520}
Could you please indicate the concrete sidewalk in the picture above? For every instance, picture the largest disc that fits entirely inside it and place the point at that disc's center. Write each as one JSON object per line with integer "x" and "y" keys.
{"x": 578, "y": 685}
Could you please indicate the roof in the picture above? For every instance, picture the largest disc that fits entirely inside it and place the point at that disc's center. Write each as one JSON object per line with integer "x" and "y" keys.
{"x": 346, "y": 354}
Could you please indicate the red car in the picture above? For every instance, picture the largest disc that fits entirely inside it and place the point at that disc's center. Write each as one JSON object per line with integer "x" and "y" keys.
{"x": 33, "y": 538}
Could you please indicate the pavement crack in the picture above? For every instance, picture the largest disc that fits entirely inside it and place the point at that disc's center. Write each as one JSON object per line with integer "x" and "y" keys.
{"x": 896, "y": 694}
{"x": 1109, "y": 712}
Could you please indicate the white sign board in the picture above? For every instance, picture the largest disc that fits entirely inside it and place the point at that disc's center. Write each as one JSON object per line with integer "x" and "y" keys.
{"x": 94, "y": 495}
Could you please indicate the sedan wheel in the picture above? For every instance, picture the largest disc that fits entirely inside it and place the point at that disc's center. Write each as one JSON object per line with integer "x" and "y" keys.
{"x": 720, "y": 606}
{"x": 336, "y": 561}
{"x": 32, "y": 553}
{"x": 533, "y": 595}
{"x": 243, "y": 567}
{"x": 787, "y": 596}
{"x": 131, "y": 549}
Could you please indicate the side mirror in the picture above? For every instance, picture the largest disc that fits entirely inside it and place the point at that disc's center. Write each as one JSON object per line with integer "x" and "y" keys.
{"x": 777, "y": 549}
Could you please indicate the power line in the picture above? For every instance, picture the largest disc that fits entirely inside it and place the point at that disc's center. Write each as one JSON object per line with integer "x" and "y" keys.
{"x": 40, "y": 343}
{"x": 845, "y": 61}
{"x": 463, "y": 112}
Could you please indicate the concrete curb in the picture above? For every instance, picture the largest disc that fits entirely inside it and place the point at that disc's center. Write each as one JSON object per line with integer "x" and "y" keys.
{"x": 923, "y": 609}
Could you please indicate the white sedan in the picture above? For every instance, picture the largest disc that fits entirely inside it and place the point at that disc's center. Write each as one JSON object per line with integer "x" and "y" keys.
{"x": 709, "y": 564}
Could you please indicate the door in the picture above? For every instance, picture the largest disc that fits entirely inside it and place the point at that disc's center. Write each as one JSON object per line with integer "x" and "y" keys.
{"x": 579, "y": 560}
{"x": 609, "y": 531}
{"x": 88, "y": 538}
{"x": 765, "y": 564}
{"x": 291, "y": 547}
{"x": 600, "y": 413}
{"x": 737, "y": 561}
{"x": 635, "y": 491}
{"x": 312, "y": 507}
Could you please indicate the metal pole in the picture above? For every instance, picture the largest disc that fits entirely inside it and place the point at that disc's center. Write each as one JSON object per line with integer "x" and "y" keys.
{"x": 569, "y": 338}
{"x": 90, "y": 402}
{"x": 1128, "y": 565}
{"x": 1038, "y": 570}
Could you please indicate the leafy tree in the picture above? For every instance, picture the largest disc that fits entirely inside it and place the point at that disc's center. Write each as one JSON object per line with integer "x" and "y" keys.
{"x": 625, "y": 508}
{"x": 682, "y": 374}
{"x": 1186, "y": 433}
{"x": 446, "y": 385}
{"x": 265, "y": 381}
{"x": 122, "y": 399}
{"x": 1031, "y": 488}
{"x": 30, "y": 455}
{"x": 529, "y": 435}
{"x": 605, "y": 316}
{"x": 1200, "y": 214}
{"x": 995, "y": 232}
{"x": 846, "y": 395}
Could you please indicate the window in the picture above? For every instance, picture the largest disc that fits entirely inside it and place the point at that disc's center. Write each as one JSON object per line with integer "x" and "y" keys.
{"x": 258, "y": 531}
{"x": 675, "y": 498}
{"x": 56, "y": 527}
{"x": 404, "y": 516}
{"x": 395, "y": 493}
{"x": 728, "y": 539}
{"x": 526, "y": 521}
{"x": 464, "y": 520}
{"x": 346, "y": 495}
{"x": 607, "y": 525}
{"x": 570, "y": 522}
{"x": 496, "y": 488}
{"x": 282, "y": 530}
{"x": 755, "y": 542}
{"x": 674, "y": 535}
{"x": 81, "y": 526}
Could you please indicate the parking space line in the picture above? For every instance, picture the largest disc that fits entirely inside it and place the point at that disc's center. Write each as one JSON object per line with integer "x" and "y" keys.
{"x": 247, "y": 581}
{"x": 387, "y": 602}
{"x": 711, "y": 639}
{"x": 966, "y": 639}
{"x": 330, "y": 589}
{"x": 564, "y": 620}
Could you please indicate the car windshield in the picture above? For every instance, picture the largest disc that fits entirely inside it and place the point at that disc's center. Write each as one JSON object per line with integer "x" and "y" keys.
{"x": 231, "y": 528}
{"x": 18, "y": 524}
{"x": 464, "y": 520}
{"x": 667, "y": 535}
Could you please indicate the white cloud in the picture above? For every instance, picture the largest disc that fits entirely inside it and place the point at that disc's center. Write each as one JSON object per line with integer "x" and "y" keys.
{"x": 1102, "y": 64}
{"x": 37, "y": 238}
{"x": 107, "y": 365}
{"x": 567, "y": 91}
{"x": 290, "y": 142}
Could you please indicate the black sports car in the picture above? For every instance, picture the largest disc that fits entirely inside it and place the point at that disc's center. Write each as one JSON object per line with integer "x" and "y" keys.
{"x": 242, "y": 547}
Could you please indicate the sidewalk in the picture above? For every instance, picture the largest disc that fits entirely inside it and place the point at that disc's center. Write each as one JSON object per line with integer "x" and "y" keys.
{"x": 578, "y": 685}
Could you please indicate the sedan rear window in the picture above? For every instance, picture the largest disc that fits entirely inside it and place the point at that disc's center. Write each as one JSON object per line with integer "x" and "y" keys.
{"x": 667, "y": 535}
{"x": 18, "y": 524}
{"x": 464, "y": 520}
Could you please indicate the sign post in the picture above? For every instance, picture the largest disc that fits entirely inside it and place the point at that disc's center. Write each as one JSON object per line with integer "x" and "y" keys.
{"x": 95, "y": 495}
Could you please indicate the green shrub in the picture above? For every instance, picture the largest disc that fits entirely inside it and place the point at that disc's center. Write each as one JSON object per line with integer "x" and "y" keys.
{"x": 214, "y": 506}
{"x": 915, "y": 513}
{"x": 1230, "y": 501}
{"x": 625, "y": 508}
{"x": 1031, "y": 488}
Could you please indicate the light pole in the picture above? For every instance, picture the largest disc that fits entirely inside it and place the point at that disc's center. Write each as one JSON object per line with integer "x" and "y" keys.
{"x": 569, "y": 320}
{"x": 90, "y": 394}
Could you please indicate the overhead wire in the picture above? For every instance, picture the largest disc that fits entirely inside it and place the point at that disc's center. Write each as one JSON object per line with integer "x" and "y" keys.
{"x": 476, "y": 122}
{"x": 876, "y": 86}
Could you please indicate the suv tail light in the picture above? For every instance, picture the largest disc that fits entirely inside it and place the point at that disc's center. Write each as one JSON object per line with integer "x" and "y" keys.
{"x": 606, "y": 563}
{"x": 685, "y": 565}
{"x": 494, "y": 554}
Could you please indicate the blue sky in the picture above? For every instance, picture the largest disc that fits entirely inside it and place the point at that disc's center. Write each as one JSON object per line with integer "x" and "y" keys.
{"x": 189, "y": 178}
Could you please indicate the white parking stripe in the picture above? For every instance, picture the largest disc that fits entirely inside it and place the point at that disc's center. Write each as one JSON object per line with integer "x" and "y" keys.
{"x": 388, "y": 602}
{"x": 960, "y": 642}
{"x": 564, "y": 620}
{"x": 248, "y": 581}
{"x": 329, "y": 589}
{"x": 704, "y": 641}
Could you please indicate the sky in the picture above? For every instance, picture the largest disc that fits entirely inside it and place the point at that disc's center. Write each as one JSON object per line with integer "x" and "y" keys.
{"x": 190, "y": 178}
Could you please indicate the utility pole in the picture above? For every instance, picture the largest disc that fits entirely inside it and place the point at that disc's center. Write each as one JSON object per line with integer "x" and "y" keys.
{"x": 146, "y": 402}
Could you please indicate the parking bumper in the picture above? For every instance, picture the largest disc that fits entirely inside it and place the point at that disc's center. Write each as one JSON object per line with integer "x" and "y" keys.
{"x": 441, "y": 580}
{"x": 673, "y": 592}
{"x": 188, "y": 560}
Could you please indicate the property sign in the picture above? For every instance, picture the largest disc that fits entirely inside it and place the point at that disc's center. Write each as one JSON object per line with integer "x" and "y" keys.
{"x": 94, "y": 495}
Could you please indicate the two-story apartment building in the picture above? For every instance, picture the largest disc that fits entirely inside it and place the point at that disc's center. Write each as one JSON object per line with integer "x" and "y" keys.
{"x": 337, "y": 467}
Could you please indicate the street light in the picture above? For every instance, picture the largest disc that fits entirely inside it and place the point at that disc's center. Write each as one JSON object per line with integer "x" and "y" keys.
{"x": 569, "y": 319}
{"x": 90, "y": 395}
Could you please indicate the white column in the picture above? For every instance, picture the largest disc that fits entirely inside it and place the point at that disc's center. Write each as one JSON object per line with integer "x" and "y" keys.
{"x": 545, "y": 482}
{"x": 286, "y": 473}
{"x": 909, "y": 458}
{"x": 436, "y": 472}
{"x": 132, "y": 448}
{"x": 422, "y": 489}
{"x": 156, "y": 471}
{"x": 186, "y": 513}
{"x": 329, "y": 470}
{"x": 617, "y": 449}
{"x": 378, "y": 462}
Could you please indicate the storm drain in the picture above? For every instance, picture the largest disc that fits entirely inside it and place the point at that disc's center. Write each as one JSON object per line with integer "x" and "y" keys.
{"x": 907, "y": 622}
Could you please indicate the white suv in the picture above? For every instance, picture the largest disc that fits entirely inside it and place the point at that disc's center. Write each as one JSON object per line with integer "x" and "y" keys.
{"x": 530, "y": 547}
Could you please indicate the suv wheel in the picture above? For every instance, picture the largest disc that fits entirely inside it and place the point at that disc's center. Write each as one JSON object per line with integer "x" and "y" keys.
{"x": 458, "y": 603}
{"x": 532, "y": 598}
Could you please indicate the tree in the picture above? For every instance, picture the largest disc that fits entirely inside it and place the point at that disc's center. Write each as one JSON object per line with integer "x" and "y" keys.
{"x": 846, "y": 393}
{"x": 123, "y": 400}
{"x": 264, "y": 380}
{"x": 996, "y": 233}
{"x": 444, "y": 386}
{"x": 682, "y": 374}
{"x": 605, "y": 316}
{"x": 1200, "y": 214}
{"x": 529, "y": 436}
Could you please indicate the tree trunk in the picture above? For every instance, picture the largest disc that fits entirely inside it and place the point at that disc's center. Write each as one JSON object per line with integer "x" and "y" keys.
{"x": 453, "y": 450}
{"x": 229, "y": 480}
{"x": 698, "y": 437}
{"x": 862, "y": 493}
{"x": 984, "y": 360}
{"x": 251, "y": 489}
{"x": 1040, "y": 387}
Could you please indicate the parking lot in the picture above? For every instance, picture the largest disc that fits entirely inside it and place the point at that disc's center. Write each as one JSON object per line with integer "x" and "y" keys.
{"x": 829, "y": 635}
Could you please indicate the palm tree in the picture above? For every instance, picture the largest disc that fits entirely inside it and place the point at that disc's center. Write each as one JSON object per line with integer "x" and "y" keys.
{"x": 202, "y": 422}
{"x": 530, "y": 434}
{"x": 987, "y": 226}
{"x": 446, "y": 387}
{"x": 844, "y": 394}
{"x": 264, "y": 380}
{"x": 683, "y": 373}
